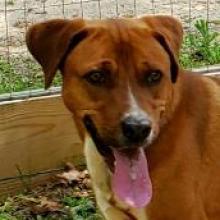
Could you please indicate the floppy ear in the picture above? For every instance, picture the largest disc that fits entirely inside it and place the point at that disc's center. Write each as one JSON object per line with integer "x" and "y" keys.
{"x": 168, "y": 32}
{"x": 49, "y": 42}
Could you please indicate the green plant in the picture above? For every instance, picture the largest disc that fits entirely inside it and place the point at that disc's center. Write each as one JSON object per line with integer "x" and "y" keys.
{"x": 5, "y": 216}
{"x": 81, "y": 208}
{"x": 21, "y": 74}
{"x": 201, "y": 47}
{"x": 5, "y": 210}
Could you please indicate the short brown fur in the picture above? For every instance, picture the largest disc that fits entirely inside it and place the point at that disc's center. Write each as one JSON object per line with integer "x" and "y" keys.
{"x": 184, "y": 159}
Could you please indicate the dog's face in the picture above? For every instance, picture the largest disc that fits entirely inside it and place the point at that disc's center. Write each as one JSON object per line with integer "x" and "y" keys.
{"x": 119, "y": 81}
{"x": 120, "y": 73}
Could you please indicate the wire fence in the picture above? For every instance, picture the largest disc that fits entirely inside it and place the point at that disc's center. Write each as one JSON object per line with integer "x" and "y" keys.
{"x": 19, "y": 72}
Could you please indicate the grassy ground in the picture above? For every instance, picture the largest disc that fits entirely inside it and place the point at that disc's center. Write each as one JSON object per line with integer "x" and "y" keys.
{"x": 20, "y": 74}
{"x": 67, "y": 197}
{"x": 199, "y": 49}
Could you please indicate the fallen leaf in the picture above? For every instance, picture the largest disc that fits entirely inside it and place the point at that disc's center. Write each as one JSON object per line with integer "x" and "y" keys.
{"x": 72, "y": 175}
{"x": 46, "y": 206}
{"x": 84, "y": 174}
{"x": 69, "y": 177}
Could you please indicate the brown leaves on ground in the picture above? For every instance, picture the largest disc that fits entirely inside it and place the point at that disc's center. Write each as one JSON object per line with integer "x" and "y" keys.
{"x": 48, "y": 198}
{"x": 73, "y": 177}
{"x": 46, "y": 206}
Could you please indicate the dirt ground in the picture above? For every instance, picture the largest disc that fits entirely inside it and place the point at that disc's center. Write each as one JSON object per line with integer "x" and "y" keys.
{"x": 67, "y": 196}
{"x": 16, "y": 15}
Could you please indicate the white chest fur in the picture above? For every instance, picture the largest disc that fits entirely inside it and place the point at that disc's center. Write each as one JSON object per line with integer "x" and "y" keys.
{"x": 101, "y": 181}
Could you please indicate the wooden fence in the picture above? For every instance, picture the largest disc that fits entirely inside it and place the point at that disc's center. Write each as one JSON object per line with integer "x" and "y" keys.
{"x": 36, "y": 136}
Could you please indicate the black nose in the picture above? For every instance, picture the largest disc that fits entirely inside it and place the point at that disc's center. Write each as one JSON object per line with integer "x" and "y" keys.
{"x": 136, "y": 130}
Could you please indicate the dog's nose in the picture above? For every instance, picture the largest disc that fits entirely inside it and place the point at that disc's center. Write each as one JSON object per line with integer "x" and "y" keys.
{"x": 135, "y": 130}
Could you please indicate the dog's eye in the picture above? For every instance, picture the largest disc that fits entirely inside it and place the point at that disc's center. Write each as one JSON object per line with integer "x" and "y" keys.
{"x": 96, "y": 77}
{"x": 153, "y": 78}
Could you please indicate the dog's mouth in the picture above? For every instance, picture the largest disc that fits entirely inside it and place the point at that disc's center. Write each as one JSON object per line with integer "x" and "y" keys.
{"x": 130, "y": 176}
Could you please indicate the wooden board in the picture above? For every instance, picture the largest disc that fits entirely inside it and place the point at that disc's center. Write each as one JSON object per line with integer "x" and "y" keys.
{"x": 36, "y": 135}
{"x": 16, "y": 186}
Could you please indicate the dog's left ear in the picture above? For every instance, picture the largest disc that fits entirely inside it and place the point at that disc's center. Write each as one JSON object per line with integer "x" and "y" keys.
{"x": 168, "y": 32}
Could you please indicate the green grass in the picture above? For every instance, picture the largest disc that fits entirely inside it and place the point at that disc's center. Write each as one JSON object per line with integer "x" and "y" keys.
{"x": 81, "y": 209}
{"x": 5, "y": 210}
{"x": 71, "y": 208}
{"x": 20, "y": 74}
{"x": 200, "y": 48}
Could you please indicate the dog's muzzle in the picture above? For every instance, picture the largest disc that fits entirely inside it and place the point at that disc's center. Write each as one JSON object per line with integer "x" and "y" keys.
{"x": 102, "y": 147}
{"x": 135, "y": 130}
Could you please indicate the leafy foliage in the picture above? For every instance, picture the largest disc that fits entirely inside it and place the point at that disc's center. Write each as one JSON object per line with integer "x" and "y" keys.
{"x": 19, "y": 74}
{"x": 201, "y": 47}
{"x": 82, "y": 209}
{"x": 67, "y": 197}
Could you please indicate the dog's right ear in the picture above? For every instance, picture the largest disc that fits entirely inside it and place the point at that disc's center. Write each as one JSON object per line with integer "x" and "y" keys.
{"x": 51, "y": 41}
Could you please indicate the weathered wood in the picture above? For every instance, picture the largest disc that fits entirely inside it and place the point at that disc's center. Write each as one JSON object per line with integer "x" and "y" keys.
{"x": 13, "y": 186}
{"x": 36, "y": 135}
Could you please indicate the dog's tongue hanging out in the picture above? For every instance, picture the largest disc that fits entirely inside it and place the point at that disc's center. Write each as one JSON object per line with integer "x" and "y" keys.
{"x": 131, "y": 181}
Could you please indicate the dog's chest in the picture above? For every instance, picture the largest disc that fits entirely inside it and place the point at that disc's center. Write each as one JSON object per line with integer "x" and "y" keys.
{"x": 140, "y": 214}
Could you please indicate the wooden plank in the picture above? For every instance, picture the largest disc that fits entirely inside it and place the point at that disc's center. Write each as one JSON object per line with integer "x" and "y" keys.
{"x": 36, "y": 135}
{"x": 13, "y": 186}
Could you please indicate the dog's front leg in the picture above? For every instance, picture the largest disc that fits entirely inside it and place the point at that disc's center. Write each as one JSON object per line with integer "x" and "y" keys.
{"x": 101, "y": 183}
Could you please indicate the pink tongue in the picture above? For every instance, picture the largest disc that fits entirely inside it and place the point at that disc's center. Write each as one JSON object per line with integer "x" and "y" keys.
{"x": 131, "y": 182}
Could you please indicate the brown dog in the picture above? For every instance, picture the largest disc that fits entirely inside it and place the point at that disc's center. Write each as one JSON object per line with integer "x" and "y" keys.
{"x": 150, "y": 129}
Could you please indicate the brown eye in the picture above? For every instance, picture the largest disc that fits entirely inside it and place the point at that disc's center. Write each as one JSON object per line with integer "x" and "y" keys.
{"x": 153, "y": 78}
{"x": 96, "y": 77}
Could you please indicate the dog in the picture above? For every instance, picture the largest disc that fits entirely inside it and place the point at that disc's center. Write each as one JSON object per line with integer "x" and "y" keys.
{"x": 150, "y": 129}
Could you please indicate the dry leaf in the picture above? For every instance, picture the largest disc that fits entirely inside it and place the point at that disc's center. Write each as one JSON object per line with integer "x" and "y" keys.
{"x": 69, "y": 177}
{"x": 46, "y": 206}
{"x": 84, "y": 174}
{"x": 81, "y": 194}
{"x": 69, "y": 166}
{"x": 72, "y": 175}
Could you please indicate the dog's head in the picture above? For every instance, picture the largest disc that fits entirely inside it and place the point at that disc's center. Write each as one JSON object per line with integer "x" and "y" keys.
{"x": 119, "y": 76}
{"x": 121, "y": 73}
